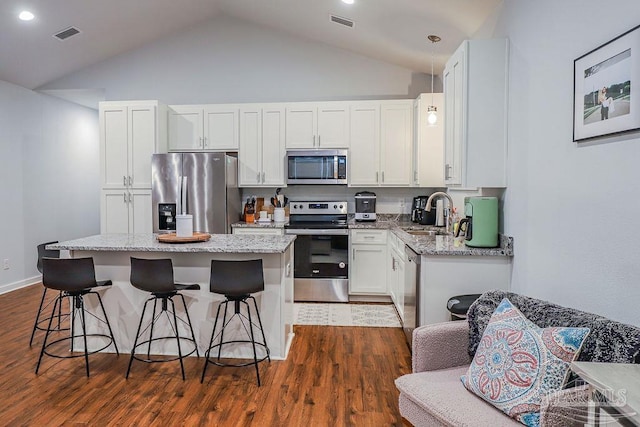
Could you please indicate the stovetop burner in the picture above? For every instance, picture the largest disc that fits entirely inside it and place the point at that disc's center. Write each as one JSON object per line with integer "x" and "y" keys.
{"x": 316, "y": 215}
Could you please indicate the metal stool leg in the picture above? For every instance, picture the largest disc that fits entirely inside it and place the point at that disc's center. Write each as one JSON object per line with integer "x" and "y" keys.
{"x": 46, "y": 335}
{"x": 106, "y": 319}
{"x": 175, "y": 322}
{"x": 79, "y": 303}
{"x": 193, "y": 335}
{"x": 208, "y": 352}
{"x": 35, "y": 325}
{"x": 253, "y": 343}
{"x": 224, "y": 323}
{"x": 135, "y": 341}
{"x": 264, "y": 339}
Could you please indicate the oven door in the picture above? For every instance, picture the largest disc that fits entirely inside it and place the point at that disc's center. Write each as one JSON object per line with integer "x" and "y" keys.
{"x": 321, "y": 265}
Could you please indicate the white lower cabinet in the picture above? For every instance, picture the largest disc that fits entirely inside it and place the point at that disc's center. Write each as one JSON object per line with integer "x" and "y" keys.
{"x": 442, "y": 277}
{"x": 367, "y": 262}
{"x": 396, "y": 261}
{"x": 125, "y": 211}
{"x": 258, "y": 230}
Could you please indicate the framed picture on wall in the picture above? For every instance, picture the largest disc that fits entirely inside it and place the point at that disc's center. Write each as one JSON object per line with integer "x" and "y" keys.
{"x": 603, "y": 101}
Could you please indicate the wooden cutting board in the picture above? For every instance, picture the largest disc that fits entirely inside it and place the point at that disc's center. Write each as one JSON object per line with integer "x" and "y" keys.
{"x": 173, "y": 238}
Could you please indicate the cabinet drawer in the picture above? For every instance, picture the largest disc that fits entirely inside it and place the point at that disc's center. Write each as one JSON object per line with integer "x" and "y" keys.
{"x": 258, "y": 230}
{"x": 369, "y": 236}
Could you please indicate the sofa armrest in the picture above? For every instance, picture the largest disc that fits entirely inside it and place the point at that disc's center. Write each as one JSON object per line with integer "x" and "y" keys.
{"x": 565, "y": 408}
{"x": 440, "y": 346}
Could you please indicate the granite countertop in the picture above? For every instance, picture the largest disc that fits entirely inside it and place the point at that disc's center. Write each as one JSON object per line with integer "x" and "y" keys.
{"x": 434, "y": 245}
{"x": 219, "y": 243}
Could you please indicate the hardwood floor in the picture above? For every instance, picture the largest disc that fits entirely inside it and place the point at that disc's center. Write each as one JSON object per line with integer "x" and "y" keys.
{"x": 334, "y": 376}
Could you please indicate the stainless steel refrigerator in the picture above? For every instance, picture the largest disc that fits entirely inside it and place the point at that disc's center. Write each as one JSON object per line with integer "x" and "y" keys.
{"x": 212, "y": 193}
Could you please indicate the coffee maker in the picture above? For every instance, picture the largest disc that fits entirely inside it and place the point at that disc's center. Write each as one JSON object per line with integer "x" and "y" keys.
{"x": 419, "y": 215}
{"x": 481, "y": 223}
{"x": 365, "y": 206}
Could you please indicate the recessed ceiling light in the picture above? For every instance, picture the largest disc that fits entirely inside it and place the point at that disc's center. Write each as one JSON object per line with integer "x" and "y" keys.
{"x": 348, "y": 1}
{"x": 25, "y": 15}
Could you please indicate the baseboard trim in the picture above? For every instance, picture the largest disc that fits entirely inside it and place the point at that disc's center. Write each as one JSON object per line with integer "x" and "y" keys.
{"x": 9, "y": 287}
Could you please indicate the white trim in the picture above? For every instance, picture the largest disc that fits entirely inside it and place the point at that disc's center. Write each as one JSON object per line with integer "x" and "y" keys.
{"x": 20, "y": 284}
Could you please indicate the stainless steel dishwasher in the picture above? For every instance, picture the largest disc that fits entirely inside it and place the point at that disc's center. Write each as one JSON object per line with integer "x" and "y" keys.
{"x": 411, "y": 293}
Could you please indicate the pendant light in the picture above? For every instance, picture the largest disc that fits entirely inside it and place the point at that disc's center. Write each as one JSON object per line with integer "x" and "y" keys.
{"x": 432, "y": 110}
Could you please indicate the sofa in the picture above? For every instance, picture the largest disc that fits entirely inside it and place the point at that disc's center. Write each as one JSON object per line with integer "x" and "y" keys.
{"x": 433, "y": 395}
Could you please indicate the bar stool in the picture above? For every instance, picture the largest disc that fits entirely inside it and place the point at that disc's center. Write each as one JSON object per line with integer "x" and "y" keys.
{"x": 40, "y": 319}
{"x": 156, "y": 276}
{"x": 74, "y": 278}
{"x": 237, "y": 280}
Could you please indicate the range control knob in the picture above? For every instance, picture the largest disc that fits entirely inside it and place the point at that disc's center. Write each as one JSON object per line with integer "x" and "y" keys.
{"x": 335, "y": 206}
{"x": 341, "y": 206}
{"x": 295, "y": 206}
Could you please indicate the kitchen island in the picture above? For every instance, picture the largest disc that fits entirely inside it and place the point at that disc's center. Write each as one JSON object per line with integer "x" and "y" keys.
{"x": 192, "y": 264}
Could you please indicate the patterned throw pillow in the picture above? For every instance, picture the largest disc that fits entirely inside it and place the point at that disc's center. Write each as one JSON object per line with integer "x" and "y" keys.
{"x": 517, "y": 363}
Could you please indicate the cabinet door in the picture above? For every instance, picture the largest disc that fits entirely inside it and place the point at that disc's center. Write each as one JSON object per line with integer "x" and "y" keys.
{"x": 428, "y": 143}
{"x": 250, "y": 150}
{"x": 114, "y": 205}
{"x": 453, "y": 81}
{"x": 368, "y": 273}
{"x": 400, "y": 283}
{"x": 140, "y": 211}
{"x": 186, "y": 128}
{"x": 221, "y": 127}
{"x": 333, "y": 125}
{"x": 273, "y": 146}
{"x": 364, "y": 154}
{"x": 113, "y": 146}
{"x": 301, "y": 126}
{"x": 142, "y": 144}
{"x": 395, "y": 144}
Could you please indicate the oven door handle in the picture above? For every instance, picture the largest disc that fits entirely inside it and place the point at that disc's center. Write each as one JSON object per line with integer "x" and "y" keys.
{"x": 314, "y": 231}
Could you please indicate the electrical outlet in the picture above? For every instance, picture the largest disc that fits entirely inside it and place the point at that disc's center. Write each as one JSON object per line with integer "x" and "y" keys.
{"x": 5, "y": 264}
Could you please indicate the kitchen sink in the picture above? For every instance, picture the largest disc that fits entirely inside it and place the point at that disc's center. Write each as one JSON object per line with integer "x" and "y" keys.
{"x": 423, "y": 232}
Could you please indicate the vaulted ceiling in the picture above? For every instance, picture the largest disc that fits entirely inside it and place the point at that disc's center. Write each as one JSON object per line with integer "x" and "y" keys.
{"x": 390, "y": 30}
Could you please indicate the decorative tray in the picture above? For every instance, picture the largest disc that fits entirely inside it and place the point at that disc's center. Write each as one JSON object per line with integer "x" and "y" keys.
{"x": 173, "y": 238}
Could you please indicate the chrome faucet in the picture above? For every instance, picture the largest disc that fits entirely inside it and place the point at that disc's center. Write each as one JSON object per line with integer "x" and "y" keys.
{"x": 449, "y": 210}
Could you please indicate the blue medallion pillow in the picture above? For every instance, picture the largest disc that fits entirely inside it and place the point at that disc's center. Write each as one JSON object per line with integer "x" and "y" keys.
{"x": 517, "y": 363}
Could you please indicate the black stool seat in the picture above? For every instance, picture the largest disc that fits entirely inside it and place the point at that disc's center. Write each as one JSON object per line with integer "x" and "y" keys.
{"x": 237, "y": 280}
{"x": 74, "y": 278}
{"x": 156, "y": 277}
{"x": 459, "y": 305}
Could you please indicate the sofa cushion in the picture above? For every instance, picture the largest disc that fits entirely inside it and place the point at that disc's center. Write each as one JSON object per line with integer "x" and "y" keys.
{"x": 441, "y": 395}
{"x": 518, "y": 363}
{"x": 608, "y": 341}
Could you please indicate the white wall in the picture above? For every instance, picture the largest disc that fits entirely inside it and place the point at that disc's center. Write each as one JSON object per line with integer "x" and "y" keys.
{"x": 49, "y": 177}
{"x": 229, "y": 60}
{"x": 571, "y": 207}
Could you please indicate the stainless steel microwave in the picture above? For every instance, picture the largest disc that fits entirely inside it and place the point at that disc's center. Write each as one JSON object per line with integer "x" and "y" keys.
{"x": 317, "y": 167}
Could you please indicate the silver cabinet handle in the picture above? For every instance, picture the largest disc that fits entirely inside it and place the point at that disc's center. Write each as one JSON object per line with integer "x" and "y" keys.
{"x": 130, "y": 199}
{"x": 263, "y": 177}
{"x": 377, "y": 177}
{"x": 124, "y": 180}
{"x": 205, "y": 141}
{"x": 369, "y": 237}
{"x": 446, "y": 171}
{"x": 415, "y": 176}
{"x": 318, "y": 140}
{"x": 258, "y": 178}
{"x": 125, "y": 197}
{"x": 314, "y": 140}
{"x": 130, "y": 181}
{"x": 354, "y": 254}
{"x": 382, "y": 176}
{"x": 201, "y": 139}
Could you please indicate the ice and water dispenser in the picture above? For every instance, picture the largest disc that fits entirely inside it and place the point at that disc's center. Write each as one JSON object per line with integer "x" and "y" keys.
{"x": 167, "y": 216}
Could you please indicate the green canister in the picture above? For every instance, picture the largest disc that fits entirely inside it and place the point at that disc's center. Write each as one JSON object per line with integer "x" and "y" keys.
{"x": 482, "y": 222}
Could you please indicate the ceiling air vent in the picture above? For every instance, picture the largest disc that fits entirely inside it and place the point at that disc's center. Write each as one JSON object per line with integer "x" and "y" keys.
{"x": 65, "y": 34}
{"x": 342, "y": 21}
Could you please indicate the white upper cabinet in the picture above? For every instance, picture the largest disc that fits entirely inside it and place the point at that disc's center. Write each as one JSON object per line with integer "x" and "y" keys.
{"x": 428, "y": 142}
{"x": 381, "y": 143}
{"x": 317, "y": 125}
{"x": 364, "y": 155}
{"x": 396, "y": 143}
{"x": 204, "y": 127}
{"x": 261, "y": 156}
{"x": 130, "y": 132}
{"x": 476, "y": 93}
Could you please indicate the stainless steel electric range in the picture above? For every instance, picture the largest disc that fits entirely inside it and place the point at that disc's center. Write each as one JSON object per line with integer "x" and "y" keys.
{"x": 321, "y": 250}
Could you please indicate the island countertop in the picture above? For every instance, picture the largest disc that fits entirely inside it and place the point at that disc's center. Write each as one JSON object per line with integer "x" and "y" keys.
{"x": 219, "y": 243}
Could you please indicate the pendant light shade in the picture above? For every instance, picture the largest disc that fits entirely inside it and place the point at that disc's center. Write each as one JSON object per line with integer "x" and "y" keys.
{"x": 432, "y": 110}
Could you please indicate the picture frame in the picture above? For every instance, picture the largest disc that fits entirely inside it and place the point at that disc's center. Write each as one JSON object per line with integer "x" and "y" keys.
{"x": 603, "y": 101}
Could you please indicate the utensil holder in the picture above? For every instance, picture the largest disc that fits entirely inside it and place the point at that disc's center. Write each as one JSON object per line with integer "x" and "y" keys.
{"x": 278, "y": 214}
